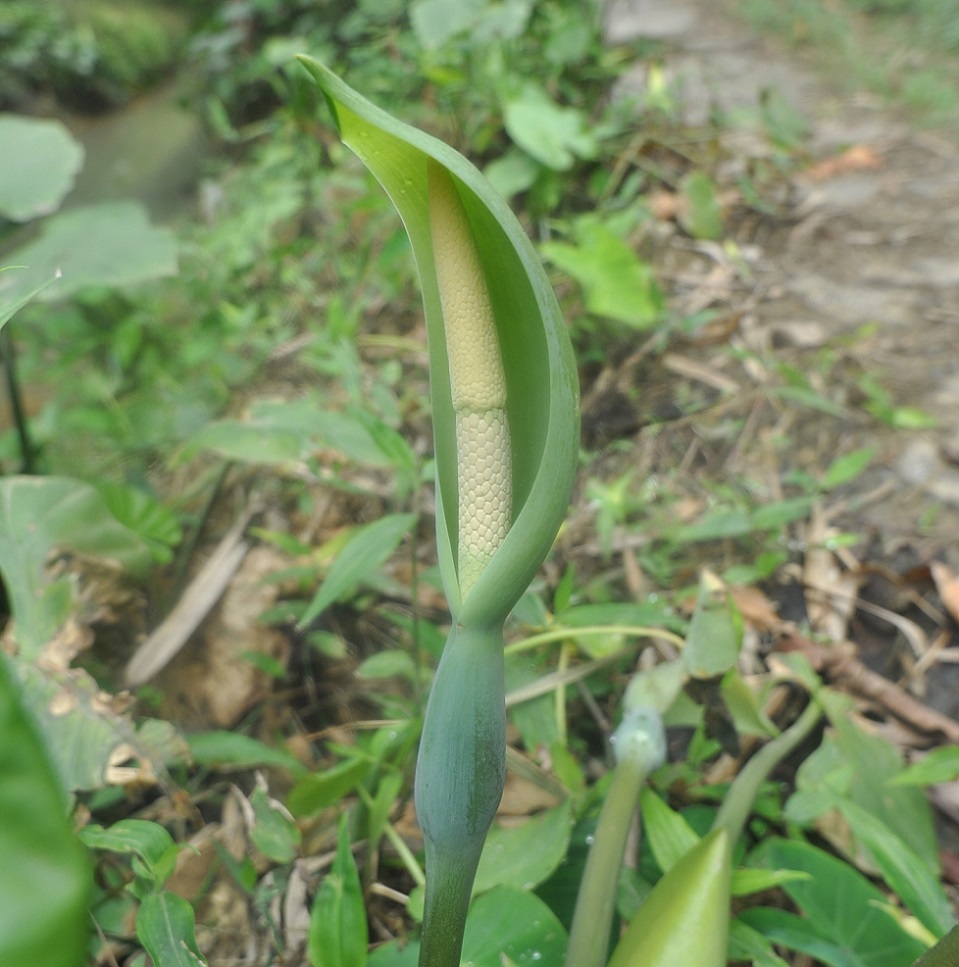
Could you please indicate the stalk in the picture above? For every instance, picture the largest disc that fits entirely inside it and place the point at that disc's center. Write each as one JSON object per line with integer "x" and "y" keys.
{"x": 640, "y": 745}
{"x": 460, "y": 774}
{"x": 742, "y": 794}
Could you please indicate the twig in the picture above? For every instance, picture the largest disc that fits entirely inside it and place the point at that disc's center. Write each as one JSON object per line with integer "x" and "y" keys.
{"x": 840, "y": 664}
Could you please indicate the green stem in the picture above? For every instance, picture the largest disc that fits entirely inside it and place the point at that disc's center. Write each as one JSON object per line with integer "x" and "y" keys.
{"x": 589, "y": 933}
{"x": 640, "y": 745}
{"x": 459, "y": 781}
{"x": 742, "y": 794}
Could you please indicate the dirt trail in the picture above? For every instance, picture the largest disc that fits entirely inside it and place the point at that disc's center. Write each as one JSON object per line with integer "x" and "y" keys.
{"x": 876, "y": 246}
{"x": 869, "y": 255}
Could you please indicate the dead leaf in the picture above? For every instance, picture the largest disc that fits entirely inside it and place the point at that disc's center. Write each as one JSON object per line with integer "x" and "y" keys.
{"x": 859, "y": 157}
{"x": 757, "y": 610}
{"x": 947, "y": 584}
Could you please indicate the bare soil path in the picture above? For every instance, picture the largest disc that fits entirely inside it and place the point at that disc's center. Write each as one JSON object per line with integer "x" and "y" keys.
{"x": 867, "y": 258}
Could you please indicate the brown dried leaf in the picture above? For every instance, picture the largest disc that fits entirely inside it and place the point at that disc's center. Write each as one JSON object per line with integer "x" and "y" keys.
{"x": 947, "y": 584}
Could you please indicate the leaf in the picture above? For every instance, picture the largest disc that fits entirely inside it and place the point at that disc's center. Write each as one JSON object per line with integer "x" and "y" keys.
{"x": 145, "y": 516}
{"x": 84, "y": 731}
{"x": 524, "y": 856}
{"x": 847, "y": 467}
{"x": 842, "y": 906}
{"x": 38, "y": 514}
{"x": 111, "y": 244}
{"x": 274, "y": 833}
{"x": 321, "y": 789}
{"x": 237, "y": 751}
{"x": 553, "y": 135}
{"x": 902, "y": 869}
{"x": 616, "y": 283}
{"x": 875, "y": 761}
{"x": 540, "y": 371}
{"x": 367, "y": 549}
{"x": 8, "y": 311}
{"x": 45, "y": 874}
{"x": 747, "y": 881}
{"x": 715, "y": 632}
{"x": 338, "y": 932}
{"x": 505, "y": 925}
{"x": 747, "y": 944}
{"x": 38, "y": 166}
{"x": 166, "y": 926}
{"x": 940, "y": 765}
{"x": 702, "y": 215}
{"x": 670, "y": 836}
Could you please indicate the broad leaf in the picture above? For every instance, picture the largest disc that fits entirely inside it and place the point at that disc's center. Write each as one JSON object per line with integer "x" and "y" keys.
{"x": 844, "y": 910}
{"x": 112, "y": 244}
{"x": 37, "y": 515}
{"x": 45, "y": 875}
{"x": 524, "y": 856}
{"x": 38, "y": 164}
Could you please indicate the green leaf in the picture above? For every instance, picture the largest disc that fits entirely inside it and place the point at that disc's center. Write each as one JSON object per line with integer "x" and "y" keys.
{"x": 902, "y": 869}
{"x": 747, "y": 881}
{"x": 81, "y": 730}
{"x": 274, "y": 833}
{"x": 321, "y": 789}
{"x": 151, "y": 846}
{"x": 166, "y": 927}
{"x": 234, "y": 750}
{"x": 504, "y": 923}
{"x": 847, "y": 467}
{"x": 540, "y": 371}
{"x": 524, "y": 856}
{"x": 111, "y": 244}
{"x": 670, "y": 836}
{"x": 874, "y": 761}
{"x": 38, "y": 166}
{"x": 747, "y": 944}
{"x": 702, "y": 216}
{"x": 843, "y": 908}
{"x": 38, "y": 514}
{"x": 553, "y": 135}
{"x": 616, "y": 282}
{"x": 940, "y": 765}
{"x": 715, "y": 632}
{"x": 787, "y": 930}
{"x": 367, "y": 549}
{"x": 145, "y": 516}
{"x": 8, "y": 311}
{"x": 338, "y": 932}
{"x": 45, "y": 874}
{"x": 391, "y": 663}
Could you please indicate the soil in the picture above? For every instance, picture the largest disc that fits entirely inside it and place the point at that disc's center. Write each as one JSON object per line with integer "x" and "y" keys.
{"x": 861, "y": 268}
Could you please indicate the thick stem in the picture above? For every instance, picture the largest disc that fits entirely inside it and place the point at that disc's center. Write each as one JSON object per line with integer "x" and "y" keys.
{"x": 459, "y": 781}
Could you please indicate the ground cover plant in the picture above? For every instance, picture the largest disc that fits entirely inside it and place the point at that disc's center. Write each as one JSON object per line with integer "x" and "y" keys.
{"x": 274, "y": 823}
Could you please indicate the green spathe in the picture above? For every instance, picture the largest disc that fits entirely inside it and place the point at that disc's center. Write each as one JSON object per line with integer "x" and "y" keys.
{"x": 541, "y": 381}
{"x": 685, "y": 919}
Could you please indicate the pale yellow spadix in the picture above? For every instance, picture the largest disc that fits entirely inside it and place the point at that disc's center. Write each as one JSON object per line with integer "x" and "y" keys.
{"x": 477, "y": 383}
